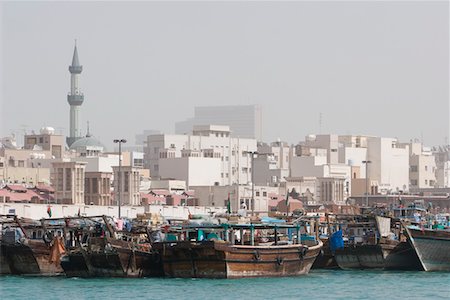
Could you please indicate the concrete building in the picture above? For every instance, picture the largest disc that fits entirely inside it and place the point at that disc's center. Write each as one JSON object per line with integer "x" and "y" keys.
{"x": 442, "y": 156}
{"x": 389, "y": 164}
{"x": 68, "y": 180}
{"x": 207, "y": 147}
{"x": 267, "y": 171}
{"x": 47, "y": 140}
{"x": 75, "y": 98}
{"x": 245, "y": 121}
{"x": 280, "y": 152}
{"x": 97, "y": 188}
{"x": 129, "y": 180}
{"x": 422, "y": 167}
{"x": 24, "y": 166}
{"x": 330, "y": 191}
{"x": 239, "y": 195}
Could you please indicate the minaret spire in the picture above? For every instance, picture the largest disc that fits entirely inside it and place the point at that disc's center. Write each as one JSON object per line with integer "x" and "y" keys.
{"x": 75, "y": 97}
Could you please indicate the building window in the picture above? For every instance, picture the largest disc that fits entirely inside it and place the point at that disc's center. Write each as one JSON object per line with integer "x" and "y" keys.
{"x": 264, "y": 194}
{"x": 257, "y": 194}
{"x": 126, "y": 184}
{"x": 413, "y": 168}
{"x": 41, "y": 140}
{"x": 426, "y": 168}
{"x": 426, "y": 182}
{"x": 413, "y": 182}
{"x": 68, "y": 179}
{"x": 21, "y": 163}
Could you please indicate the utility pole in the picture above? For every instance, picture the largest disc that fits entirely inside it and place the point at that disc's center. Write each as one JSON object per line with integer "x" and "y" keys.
{"x": 119, "y": 181}
{"x": 367, "y": 162}
{"x": 252, "y": 153}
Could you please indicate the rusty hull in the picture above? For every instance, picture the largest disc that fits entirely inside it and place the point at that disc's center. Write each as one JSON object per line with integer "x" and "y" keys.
{"x": 218, "y": 259}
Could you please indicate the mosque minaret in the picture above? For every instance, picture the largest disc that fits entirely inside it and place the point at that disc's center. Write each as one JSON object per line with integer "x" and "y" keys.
{"x": 75, "y": 98}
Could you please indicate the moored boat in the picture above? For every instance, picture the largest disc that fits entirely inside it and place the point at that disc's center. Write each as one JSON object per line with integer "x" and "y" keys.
{"x": 30, "y": 249}
{"x": 238, "y": 251}
{"x": 102, "y": 251}
{"x": 373, "y": 242}
{"x": 432, "y": 247}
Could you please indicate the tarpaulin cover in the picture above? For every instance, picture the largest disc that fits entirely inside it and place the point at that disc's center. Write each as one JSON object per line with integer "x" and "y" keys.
{"x": 336, "y": 241}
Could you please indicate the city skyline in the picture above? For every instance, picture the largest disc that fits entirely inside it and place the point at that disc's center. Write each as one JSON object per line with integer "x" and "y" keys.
{"x": 170, "y": 58}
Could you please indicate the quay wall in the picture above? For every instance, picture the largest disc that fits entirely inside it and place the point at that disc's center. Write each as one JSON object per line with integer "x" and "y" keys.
{"x": 39, "y": 211}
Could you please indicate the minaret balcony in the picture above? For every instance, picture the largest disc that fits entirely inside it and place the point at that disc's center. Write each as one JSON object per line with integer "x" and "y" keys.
{"x": 75, "y": 99}
{"x": 75, "y": 69}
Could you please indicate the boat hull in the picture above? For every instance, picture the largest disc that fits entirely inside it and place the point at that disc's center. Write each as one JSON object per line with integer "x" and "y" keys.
{"x": 214, "y": 259}
{"x": 4, "y": 265}
{"x": 432, "y": 248}
{"x": 32, "y": 257}
{"x": 325, "y": 259}
{"x": 116, "y": 261}
{"x": 360, "y": 257}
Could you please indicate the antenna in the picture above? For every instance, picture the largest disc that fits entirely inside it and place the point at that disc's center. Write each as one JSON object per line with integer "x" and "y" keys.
{"x": 88, "y": 133}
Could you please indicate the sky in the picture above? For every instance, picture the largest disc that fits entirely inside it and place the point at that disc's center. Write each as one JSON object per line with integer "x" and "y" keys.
{"x": 376, "y": 68}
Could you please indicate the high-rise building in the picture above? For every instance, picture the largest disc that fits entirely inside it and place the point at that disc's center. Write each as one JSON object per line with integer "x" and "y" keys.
{"x": 75, "y": 98}
{"x": 245, "y": 121}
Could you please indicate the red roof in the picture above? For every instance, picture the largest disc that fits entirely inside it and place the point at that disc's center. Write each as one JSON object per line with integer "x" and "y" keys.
{"x": 160, "y": 192}
{"x": 152, "y": 199}
{"x": 189, "y": 193}
{"x": 45, "y": 188}
{"x": 27, "y": 196}
{"x": 16, "y": 188}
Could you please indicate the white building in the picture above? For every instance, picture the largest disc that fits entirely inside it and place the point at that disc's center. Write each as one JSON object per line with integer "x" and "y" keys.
{"x": 245, "y": 121}
{"x": 442, "y": 155}
{"x": 201, "y": 154}
{"x": 239, "y": 195}
{"x": 422, "y": 167}
{"x": 389, "y": 164}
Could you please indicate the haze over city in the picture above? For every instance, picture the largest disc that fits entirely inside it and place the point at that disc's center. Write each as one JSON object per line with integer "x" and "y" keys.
{"x": 372, "y": 68}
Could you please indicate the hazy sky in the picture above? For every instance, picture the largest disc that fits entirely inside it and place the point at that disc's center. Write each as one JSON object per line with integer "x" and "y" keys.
{"x": 370, "y": 68}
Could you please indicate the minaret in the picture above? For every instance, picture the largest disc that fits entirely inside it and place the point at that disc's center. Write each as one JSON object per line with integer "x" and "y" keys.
{"x": 75, "y": 97}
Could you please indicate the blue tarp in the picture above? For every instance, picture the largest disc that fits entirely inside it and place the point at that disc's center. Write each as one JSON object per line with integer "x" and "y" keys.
{"x": 271, "y": 220}
{"x": 336, "y": 241}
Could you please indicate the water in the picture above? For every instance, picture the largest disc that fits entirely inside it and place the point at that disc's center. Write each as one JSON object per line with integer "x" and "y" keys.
{"x": 318, "y": 284}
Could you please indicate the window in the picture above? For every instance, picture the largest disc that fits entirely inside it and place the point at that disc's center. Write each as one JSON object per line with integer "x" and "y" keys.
{"x": 21, "y": 163}
{"x": 426, "y": 182}
{"x": 41, "y": 140}
{"x": 257, "y": 194}
{"x": 221, "y": 174}
{"x": 264, "y": 194}
{"x": 413, "y": 182}
{"x": 1, "y": 165}
{"x": 426, "y": 168}
{"x": 126, "y": 184}
{"x": 68, "y": 179}
{"x": 413, "y": 168}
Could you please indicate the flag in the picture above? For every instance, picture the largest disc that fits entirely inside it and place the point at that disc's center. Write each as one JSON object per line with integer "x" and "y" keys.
{"x": 229, "y": 204}
{"x": 49, "y": 211}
